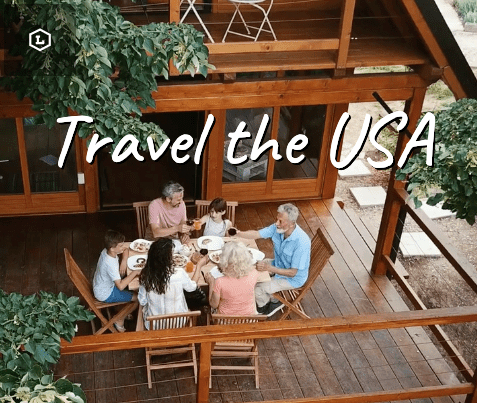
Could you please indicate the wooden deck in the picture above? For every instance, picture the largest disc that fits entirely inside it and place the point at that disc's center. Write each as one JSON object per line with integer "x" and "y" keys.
{"x": 31, "y": 258}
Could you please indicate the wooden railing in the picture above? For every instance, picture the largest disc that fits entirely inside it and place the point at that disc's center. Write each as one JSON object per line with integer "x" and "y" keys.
{"x": 460, "y": 263}
{"x": 207, "y": 335}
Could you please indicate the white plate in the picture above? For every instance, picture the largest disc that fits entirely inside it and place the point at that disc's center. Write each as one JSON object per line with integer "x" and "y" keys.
{"x": 215, "y": 256}
{"x": 216, "y": 273}
{"x": 210, "y": 242}
{"x": 179, "y": 260}
{"x": 140, "y": 245}
{"x": 177, "y": 246}
{"x": 135, "y": 260}
{"x": 256, "y": 255}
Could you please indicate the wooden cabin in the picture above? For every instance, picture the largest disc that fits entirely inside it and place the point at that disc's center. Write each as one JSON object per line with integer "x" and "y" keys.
{"x": 303, "y": 81}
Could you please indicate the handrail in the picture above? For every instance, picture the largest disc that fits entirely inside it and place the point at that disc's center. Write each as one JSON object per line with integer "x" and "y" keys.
{"x": 211, "y": 334}
{"x": 460, "y": 263}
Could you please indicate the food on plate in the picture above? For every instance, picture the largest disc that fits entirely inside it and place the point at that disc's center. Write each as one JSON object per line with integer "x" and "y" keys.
{"x": 179, "y": 260}
{"x": 140, "y": 263}
{"x": 141, "y": 246}
{"x": 215, "y": 256}
{"x": 186, "y": 250}
{"x": 206, "y": 241}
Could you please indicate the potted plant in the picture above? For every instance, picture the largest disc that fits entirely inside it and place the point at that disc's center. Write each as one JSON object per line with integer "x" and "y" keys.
{"x": 31, "y": 329}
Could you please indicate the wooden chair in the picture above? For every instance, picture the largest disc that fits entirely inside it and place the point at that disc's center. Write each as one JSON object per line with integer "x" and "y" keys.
{"x": 236, "y": 349}
{"x": 83, "y": 285}
{"x": 142, "y": 217}
{"x": 321, "y": 251}
{"x": 170, "y": 321}
{"x": 203, "y": 209}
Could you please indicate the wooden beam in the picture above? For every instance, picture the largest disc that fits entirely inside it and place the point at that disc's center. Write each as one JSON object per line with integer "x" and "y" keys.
{"x": 275, "y": 46}
{"x": 204, "y": 373}
{"x": 264, "y": 330}
{"x": 388, "y": 395}
{"x": 346, "y": 24}
{"x": 23, "y": 162}
{"x": 456, "y": 259}
{"x": 392, "y": 205}
{"x": 429, "y": 72}
{"x": 441, "y": 336}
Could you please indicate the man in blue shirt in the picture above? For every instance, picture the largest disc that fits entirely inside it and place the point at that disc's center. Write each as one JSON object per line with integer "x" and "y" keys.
{"x": 289, "y": 268}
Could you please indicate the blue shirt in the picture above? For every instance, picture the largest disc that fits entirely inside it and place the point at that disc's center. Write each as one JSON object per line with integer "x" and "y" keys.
{"x": 290, "y": 253}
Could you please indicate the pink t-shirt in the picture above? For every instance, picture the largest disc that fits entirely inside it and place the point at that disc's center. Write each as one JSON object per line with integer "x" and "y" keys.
{"x": 237, "y": 294}
{"x": 159, "y": 214}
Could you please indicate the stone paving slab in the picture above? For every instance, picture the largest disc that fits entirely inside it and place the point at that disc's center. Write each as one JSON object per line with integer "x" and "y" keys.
{"x": 435, "y": 211}
{"x": 357, "y": 168}
{"x": 414, "y": 244}
{"x": 369, "y": 196}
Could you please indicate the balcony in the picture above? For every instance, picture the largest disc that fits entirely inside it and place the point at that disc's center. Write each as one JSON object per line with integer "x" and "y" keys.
{"x": 388, "y": 356}
{"x": 311, "y": 34}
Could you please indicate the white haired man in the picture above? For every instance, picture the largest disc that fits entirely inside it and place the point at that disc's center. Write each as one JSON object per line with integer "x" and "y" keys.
{"x": 168, "y": 215}
{"x": 289, "y": 268}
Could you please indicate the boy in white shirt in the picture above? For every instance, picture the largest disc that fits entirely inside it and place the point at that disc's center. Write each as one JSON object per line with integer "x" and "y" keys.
{"x": 107, "y": 283}
{"x": 215, "y": 224}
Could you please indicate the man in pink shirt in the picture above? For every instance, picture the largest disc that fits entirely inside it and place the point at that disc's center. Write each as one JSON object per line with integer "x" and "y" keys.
{"x": 167, "y": 215}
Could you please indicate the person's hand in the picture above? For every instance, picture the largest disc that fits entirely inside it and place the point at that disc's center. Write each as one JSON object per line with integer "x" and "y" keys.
{"x": 123, "y": 270}
{"x": 209, "y": 278}
{"x": 263, "y": 265}
{"x": 184, "y": 228}
{"x": 203, "y": 261}
{"x": 185, "y": 239}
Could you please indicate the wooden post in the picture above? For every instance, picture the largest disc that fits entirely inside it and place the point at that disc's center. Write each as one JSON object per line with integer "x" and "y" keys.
{"x": 393, "y": 203}
{"x": 204, "y": 373}
{"x": 472, "y": 397}
{"x": 346, "y": 24}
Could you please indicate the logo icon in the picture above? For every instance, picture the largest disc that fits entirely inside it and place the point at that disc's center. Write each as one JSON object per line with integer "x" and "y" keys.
{"x": 39, "y": 40}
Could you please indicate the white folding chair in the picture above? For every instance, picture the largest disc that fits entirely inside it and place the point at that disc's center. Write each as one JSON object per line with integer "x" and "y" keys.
{"x": 192, "y": 7}
{"x": 254, "y": 3}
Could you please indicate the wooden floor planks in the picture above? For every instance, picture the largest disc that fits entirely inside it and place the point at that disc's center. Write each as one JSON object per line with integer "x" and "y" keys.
{"x": 295, "y": 367}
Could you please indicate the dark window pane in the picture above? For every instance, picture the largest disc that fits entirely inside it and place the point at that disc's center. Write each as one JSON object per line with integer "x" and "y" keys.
{"x": 10, "y": 169}
{"x": 43, "y": 147}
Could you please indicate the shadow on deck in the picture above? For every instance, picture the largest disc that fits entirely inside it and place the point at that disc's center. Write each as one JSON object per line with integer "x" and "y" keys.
{"x": 32, "y": 259}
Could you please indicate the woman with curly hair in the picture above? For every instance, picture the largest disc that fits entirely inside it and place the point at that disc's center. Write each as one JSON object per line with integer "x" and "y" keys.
{"x": 161, "y": 285}
{"x": 233, "y": 294}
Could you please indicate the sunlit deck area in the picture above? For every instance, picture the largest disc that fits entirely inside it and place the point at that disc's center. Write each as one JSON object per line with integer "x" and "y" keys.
{"x": 290, "y": 367}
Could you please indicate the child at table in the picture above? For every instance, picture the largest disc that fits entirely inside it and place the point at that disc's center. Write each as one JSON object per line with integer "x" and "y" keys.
{"x": 215, "y": 225}
{"x": 107, "y": 283}
{"x": 161, "y": 285}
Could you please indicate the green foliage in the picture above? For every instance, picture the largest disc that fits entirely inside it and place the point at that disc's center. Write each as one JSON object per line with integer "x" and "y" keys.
{"x": 99, "y": 64}
{"x": 455, "y": 163}
{"x": 467, "y": 9}
{"x": 31, "y": 328}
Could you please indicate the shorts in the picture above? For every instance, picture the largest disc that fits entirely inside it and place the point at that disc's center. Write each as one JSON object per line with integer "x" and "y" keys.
{"x": 119, "y": 296}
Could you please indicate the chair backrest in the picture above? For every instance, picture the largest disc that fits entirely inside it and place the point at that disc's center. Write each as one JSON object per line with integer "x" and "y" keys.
{"x": 173, "y": 320}
{"x": 219, "y": 319}
{"x": 203, "y": 208}
{"x": 142, "y": 217}
{"x": 321, "y": 250}
{"x": 82, "y": 284}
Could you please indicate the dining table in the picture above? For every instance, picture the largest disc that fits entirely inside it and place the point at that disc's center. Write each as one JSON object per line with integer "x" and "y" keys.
{"x": 263, "y": 276}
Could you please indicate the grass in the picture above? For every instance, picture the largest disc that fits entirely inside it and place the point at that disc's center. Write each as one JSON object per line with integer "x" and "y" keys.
{"x": 440, "y": 90}
{"x": 467, "y": 9}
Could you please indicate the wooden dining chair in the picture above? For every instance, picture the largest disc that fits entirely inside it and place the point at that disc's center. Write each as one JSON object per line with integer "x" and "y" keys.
{"x": 170, "y": 321}
{"x": 236, "y": 348}
{"x": 83, "y": 285}
{"x": 203, "y": 209}
{"x": 142, "y": 217}
{"x": 321, "y": 251}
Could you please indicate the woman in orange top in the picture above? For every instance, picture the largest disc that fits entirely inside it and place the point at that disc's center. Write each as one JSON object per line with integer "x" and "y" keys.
{"x": 233, "y": 293}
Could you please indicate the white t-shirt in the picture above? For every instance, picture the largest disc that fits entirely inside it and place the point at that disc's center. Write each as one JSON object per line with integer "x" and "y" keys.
{"x": 172, "y": 301}
{"x": 107, "y": 272}
{"x": 216, "y": 229}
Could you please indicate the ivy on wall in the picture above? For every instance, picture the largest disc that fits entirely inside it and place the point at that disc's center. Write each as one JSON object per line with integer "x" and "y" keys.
{"x": 99, "y": 64}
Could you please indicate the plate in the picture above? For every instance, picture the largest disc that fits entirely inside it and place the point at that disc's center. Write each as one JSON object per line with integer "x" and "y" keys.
{"x": 215, "y": 256}
{"x": 177, "y": 245}
{"x": 140, "y": 245}
{"x": 179, "y": 260}
{"x": 210, "y": 242}
{"x": 137, "y": 262}
{"x": 256, "y": 255}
